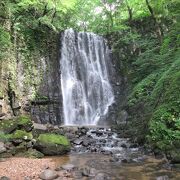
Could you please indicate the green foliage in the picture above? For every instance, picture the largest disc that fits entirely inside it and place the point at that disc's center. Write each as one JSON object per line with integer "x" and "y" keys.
{"x": 164, "y": 129}
{"x": 153, "y": 70}
{"x": 143, "y": 90}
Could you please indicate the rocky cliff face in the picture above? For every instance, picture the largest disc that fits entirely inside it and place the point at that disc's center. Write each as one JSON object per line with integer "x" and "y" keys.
{"x": 32, "y": 86}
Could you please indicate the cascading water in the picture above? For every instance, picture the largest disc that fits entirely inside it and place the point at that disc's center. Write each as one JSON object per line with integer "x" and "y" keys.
{"x": 86, "y": 89}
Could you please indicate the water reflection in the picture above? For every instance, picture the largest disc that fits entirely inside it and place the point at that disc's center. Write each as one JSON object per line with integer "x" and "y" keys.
{"x": 149, "y": 169}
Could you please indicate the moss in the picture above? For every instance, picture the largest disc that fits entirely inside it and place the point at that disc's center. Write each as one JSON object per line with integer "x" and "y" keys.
{"x": 23, "y": 120}
{"x": 53, "y": 139}
{"x": 7, "y": 126}
{"x": 52, "y": 144}
{"x": 4, "y": 137}
{"x": 19, "y": 134}
{"x": 32, "y": 153}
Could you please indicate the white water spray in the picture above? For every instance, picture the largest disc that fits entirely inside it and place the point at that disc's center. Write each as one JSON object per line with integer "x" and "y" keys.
{"x": 85, "y": 85}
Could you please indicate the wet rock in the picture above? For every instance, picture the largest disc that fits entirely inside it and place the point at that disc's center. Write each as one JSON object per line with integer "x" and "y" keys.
{"x": 2, "y": 147}
{"x": 78, "y": 141}
{"x": 68, "y": 167}
{"x": 107, "y": 152}
{"x": 83, "y": 130}
{"x": 133, "y": 146}
{"x": 89, "y": 172}
{"x": 102, "y": 140}
{"x": 124, "y": 161}
{"x": 93, "y": 149}
{"x": 123, "y": 145}
{"x": 70, "y": 136}
{"x": 114, "y": 159}
{"x": 99, "y": 133}
{"x": 48, "y": 175}
{"x": 85, "y": 142}
{"x": 102, "y": 176}
{"x": 162, "y": 178}
{"x": 77, "y": 174}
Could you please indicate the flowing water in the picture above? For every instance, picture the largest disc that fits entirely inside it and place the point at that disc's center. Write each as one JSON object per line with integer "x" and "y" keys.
{"x": 149, "y": 169}
{"x": 85, "y": 85}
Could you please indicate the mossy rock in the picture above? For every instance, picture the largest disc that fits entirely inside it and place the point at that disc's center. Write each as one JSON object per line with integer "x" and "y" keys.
{"x": 24, "y": 122}
{"x": 33, "y": 153}
{"x": 8, "y": 126}
{"x": 5, "y": 155}
{"x": 20, "y": 134}
{"x": 21, "y": 148}
{"x": 52, "y": 144}
{"x": 4, "y": 137}
{"x": 174, "y": 156}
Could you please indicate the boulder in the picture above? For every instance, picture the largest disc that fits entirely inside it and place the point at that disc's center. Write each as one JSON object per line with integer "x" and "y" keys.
{"x": 25, "y": 123}
{"x": 68, "y": 167}
{"x": 102, "y": 176}
{"x": 78, "y": 141}
{"x": 162, "y": 178}
{"x": 8, "y": 126}
{"x": 52, "y": 144}
{"x": 2, "y": 147}
{"x": 48, "y": 175}
{"x": 31, "y": 153}
{"x": 22, "y": 135}
{"x": 89, "y": 172}
{"x": 174, "y": 156}
{"x": 22, "y": 122}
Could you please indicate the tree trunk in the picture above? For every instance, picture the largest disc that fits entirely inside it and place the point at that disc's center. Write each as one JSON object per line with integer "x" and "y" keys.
{"x": 129, "y": 12}
{"x": 158, "y": 28}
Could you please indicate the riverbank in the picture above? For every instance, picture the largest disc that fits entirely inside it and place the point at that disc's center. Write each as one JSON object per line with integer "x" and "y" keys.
{"x": 85, "y": 166}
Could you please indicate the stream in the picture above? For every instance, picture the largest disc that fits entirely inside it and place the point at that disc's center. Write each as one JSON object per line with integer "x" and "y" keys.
{"x": 99, "y": 153}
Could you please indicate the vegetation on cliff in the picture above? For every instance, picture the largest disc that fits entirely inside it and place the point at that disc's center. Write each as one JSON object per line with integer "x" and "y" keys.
{"x": 144, "y": 35}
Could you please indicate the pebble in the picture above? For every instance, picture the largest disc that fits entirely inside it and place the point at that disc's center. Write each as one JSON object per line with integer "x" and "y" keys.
{"x": 68, "y": 167}
{"x": 48, "y": 175}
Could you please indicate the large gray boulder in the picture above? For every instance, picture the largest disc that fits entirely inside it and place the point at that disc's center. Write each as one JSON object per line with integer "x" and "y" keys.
{"x": 52, "y": 144}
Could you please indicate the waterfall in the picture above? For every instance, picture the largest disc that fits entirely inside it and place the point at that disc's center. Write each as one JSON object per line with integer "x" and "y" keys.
{"x": 85, "y": 85}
